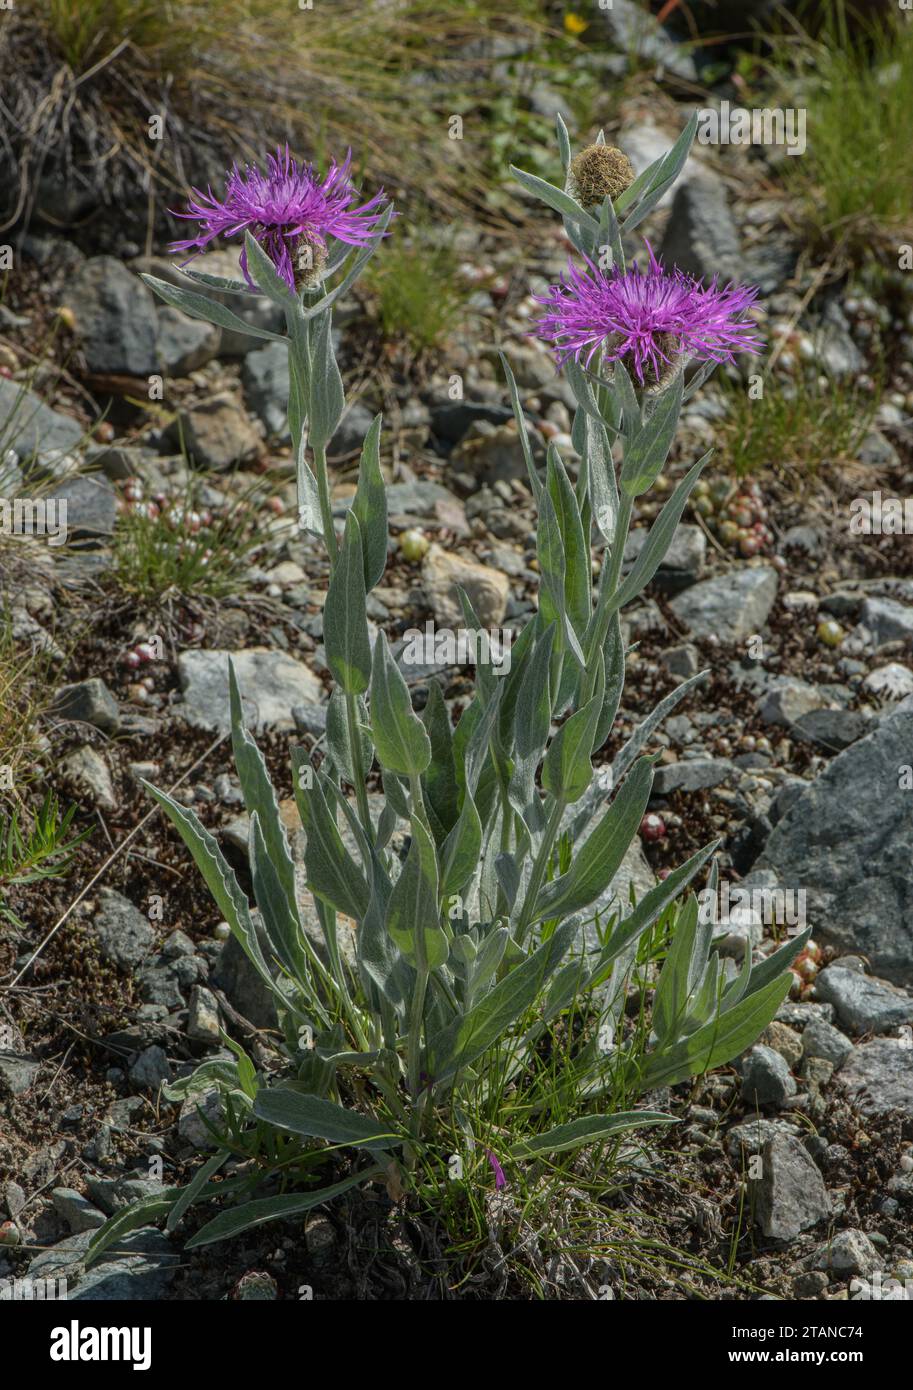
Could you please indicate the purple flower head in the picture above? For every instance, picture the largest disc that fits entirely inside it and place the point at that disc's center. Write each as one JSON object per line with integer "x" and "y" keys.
{"x": 648, "y": 317}
{"x": 289, "y": 210}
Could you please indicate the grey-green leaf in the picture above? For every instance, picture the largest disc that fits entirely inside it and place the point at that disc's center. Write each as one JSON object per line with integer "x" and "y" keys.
{"x": 370, "y": 507}
{"x": 400, "y": 739}
{"x": 345, "y": 623}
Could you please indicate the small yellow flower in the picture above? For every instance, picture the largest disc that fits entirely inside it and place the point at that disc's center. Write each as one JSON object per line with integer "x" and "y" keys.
{"x": 575, "y": 23}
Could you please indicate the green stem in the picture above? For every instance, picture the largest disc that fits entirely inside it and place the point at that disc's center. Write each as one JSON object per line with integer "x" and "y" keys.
{"x": 607, "y": 593}
{"x": 358, "y": 771}
{"x": 417, "y": 1010}
{"x": 326, "y": 509}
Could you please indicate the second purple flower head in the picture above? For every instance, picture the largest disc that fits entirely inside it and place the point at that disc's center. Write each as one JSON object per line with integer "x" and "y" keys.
{"x": 290, "y": 211}
{"x": 653, "y": 320}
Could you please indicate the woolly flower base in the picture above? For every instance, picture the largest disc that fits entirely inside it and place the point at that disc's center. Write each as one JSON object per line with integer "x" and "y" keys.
{"x": 647, "y": 318}
{"x": 289, "y": 210}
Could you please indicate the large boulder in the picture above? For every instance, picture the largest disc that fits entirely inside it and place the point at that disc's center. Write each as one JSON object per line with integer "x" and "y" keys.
{"x": 846, "y": 841}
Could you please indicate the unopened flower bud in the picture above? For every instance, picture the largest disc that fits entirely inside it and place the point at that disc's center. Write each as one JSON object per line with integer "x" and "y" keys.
{"x": 311, "y": 258}
{"x": 597, "y": 172}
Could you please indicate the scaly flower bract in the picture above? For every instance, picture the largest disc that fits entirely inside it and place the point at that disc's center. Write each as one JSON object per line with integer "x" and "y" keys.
{"x": 649, "y": 318}
{"x": 288, "y": 209}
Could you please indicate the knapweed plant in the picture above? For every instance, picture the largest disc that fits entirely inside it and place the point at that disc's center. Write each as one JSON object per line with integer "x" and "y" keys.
{"x": 423, "y": 1025}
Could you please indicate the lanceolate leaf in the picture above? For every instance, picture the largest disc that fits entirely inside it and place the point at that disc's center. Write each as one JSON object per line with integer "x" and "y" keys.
{"x": 555, "y": 198}
{"x": 327, "y": 397}
{"x": 413, "y": 913}
{"x": 647, "y": 451}
{"x": 464, "y": 1040}
{"x": 589, "y": 1129}
{"x": 199, "y": 306}
{"x": 332, "y": 874}
{"x": 317, "y": 1118}
{"x": 659, "y": 538}
{"x": 257, "y": 1213}
{"x": 400, "y": 739}
{"x": 578, "y": 581}
{"x": 259, "y": 793}
{"x": 719, "y": 1040}
{"x": 598, "y": 859}
{"x": 345, "y": 622}
{"x": 370, "y": 507}
{"x": 439, "y": 782}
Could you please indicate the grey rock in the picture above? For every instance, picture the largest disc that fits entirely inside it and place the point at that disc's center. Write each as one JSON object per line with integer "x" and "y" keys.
{"x": 784, "y": 1040}
{"x": 33, "y": 429}
{"x": 701, "y": 238}
{"x": 142, "y": 1269}
{"x": 790, "y": 1196}
{"x": 76, "y": 1210}
{"x": 234, "y": 975}
{"x": 864, "y": 1005}
{"x": 766, "y": 1078}
{"x": 186, "y": 344}
{"x": 887, "y": 620}
{"x": 87, "y": 771}
{"x": 822, "y": 1039}
{"x": 310, "y": 719}
{"x": 124, "y": 935}
{"x": 452, "y": 420}
{"x": 272, "y": 684}
{"x": 808, "y": 539}
{"x": 810, "y": 1285}
{"x": 112, "y": 1194}
{"x": 14, "y": 1199}
{"x": 683, "y": 562}
{"x": 265, "y": 377}
{"x": 789, "y": 700}
{"x": 833, "y": 729}
{"x": 159, "y": 984}
{"x": 877, "y": 451}
{"x": 493, "y": 453}
{"x": 351, "y": 430}
{"x": 190, "y": 1127}
{"x": 837, "y": 353}
{"x": 633, "y": 30}
{"x": 683, "y": 661}
{"x": 203, "y": 1016}
{"x": 419, "y": 498}
{"x": 749, "y": 1137}
{"x": 850, "y": 1252}
{"x": 691, "y": 775}
{"x": 91, "y": 507}
{"x": 846, "y": 839}
{"x": 488, "y": 589}
{"x": 17, "y": 1073}
{"x": 150, "y": 1069}
{"x": 88, "y": 702}
{"x": 731, "y": 606}
{"x": 878, "y": 1077}
{"x": 800, "y": 1014}
{"x": 115, "y": 318}
{"x": 217, "y": 433}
